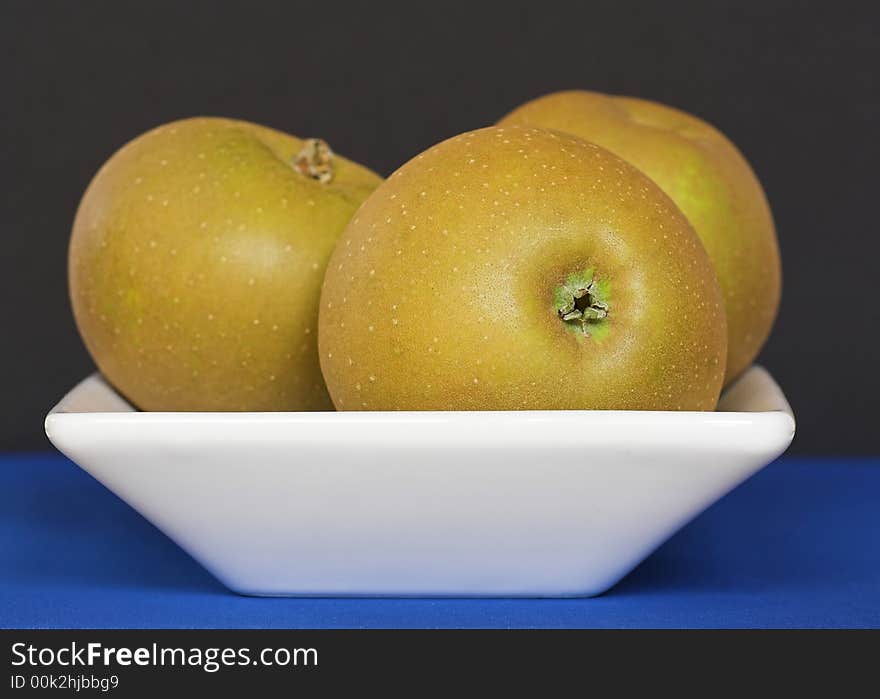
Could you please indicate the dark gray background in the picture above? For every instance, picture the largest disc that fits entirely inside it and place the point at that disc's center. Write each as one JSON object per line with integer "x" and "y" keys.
{"x": 791, "y": 83}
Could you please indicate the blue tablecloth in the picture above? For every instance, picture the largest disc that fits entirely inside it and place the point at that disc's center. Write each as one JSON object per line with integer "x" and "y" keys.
{"x": 796, "y": 546}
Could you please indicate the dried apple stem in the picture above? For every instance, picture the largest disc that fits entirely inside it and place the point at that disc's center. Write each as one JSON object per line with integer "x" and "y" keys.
{"x": 315, "y": 160}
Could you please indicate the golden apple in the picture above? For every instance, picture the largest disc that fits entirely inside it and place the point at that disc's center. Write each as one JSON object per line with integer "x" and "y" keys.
{"x": 196, "y": 262}
{"x": 518, "y": 268}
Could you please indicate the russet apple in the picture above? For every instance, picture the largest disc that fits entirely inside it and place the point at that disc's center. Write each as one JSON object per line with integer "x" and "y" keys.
{"x": 519, "y": 268}
{"x": 196, "y": 262}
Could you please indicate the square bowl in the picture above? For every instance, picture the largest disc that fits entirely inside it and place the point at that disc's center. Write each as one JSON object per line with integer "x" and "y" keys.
{"x": 525, "y": 503}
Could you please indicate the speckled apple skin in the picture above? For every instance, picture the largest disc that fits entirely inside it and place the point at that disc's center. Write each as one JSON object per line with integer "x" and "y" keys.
{"x": 710, "y": 181}
{"x": 440, "y": 293}
{"x": 195, "y": 267}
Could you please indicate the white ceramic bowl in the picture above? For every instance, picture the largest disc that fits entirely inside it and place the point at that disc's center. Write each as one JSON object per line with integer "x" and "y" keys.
{"x": 434, "y": 503}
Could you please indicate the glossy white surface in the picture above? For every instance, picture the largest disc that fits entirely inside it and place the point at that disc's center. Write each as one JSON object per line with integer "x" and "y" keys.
{"x": 434, "y": 503}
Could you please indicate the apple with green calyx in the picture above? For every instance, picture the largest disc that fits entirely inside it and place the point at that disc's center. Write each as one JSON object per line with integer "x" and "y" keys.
{"x": 196, "y": 262}
{"x": 518, "y": 268}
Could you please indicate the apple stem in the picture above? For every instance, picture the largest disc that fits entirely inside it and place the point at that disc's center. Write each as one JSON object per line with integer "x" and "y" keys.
{"x": 315, "y": 160}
